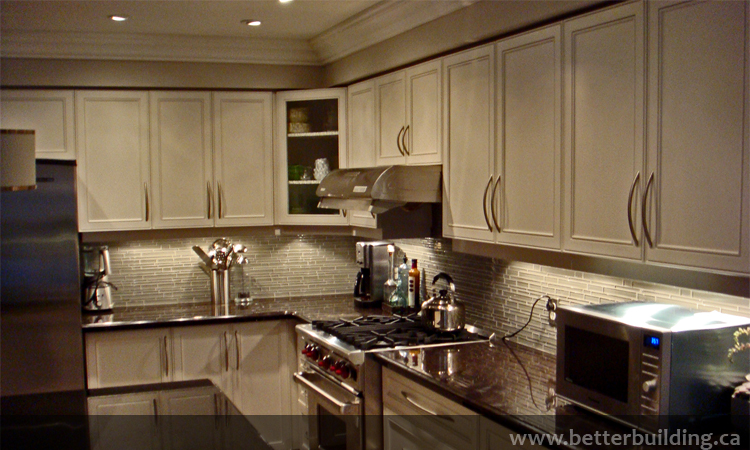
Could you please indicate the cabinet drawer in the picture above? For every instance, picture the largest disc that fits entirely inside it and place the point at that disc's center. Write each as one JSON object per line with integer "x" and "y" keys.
{"x": 428, "y": 410}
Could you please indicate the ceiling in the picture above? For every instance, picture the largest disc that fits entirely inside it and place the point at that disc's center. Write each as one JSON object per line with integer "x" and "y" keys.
{"x": 309, "y": 31}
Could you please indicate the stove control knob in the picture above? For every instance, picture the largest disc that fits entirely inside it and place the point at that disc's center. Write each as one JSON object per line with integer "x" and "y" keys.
{"x": 325, "y": 363}
{"x": 343, "y": 370}
{"x": 313, "y": 352}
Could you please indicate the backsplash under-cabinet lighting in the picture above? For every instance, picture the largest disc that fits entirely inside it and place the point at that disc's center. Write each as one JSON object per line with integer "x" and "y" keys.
{"x": 498, "y": 294}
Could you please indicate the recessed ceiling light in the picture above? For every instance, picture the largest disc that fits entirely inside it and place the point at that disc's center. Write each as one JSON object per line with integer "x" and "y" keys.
{"x": 284, "y": 1}
{"x": 252, "y": 23}
{"x": 118, "y": 18}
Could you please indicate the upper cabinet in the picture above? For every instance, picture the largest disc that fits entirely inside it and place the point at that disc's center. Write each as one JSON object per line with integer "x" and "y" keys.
{"x": 525, "y": 196}
{"x": 408, "y": 115}
{"x": 311, "y": 142}
{"x": 49, "y": 113}
{"x": 469, "y": 137}
{"x": 604, "y": 132}
{"x": 361, "y": 126}
{"x": 243, "y": 158}
{"x": 697, "y": 178}
{"x": 203, "y": 159}
{"x": 112, "y": 139}
{"x": 181, "y": 159}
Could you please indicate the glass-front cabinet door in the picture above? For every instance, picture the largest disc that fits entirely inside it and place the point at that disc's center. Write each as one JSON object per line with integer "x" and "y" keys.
{"x": 311, "y": 142}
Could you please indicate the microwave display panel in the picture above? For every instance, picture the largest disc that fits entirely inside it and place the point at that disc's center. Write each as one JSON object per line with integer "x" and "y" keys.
{"x": 596, "y": 362}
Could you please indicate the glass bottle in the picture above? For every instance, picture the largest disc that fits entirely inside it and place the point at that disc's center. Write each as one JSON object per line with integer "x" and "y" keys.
{"x": 403, "y": 279}
{"x": 414, "y": 286}
{"x": 390, "y": 286}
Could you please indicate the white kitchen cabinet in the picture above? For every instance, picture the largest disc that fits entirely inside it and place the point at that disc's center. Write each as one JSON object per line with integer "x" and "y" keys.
{"x": 697, "y": 178}
{"x": 417, "y": 417}
{"x": 469, "y": 140}
{"x": 361, "y": 129}
{"x": 112, "y": 146}
{"x": 525, "y": 198}
{"x": 50, "y": 113}
{"x": 129, "y": 357}
{"x": 262, "y": 385}
{"x": 604, "y": 131}
{"x": 202, "y": 352}
{"x": 181, "y": 159}
{"x": 243, "y": 158}
{"x": 310, "y": 126}
{"x": 408, "y": 115}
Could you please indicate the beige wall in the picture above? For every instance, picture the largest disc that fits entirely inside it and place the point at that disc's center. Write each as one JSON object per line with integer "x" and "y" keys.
{"x": 479, "y": 22}
{"x": 16, "y": 72}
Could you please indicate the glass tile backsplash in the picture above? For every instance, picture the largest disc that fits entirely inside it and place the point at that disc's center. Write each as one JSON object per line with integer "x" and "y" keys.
{"x": 498, "y": 294}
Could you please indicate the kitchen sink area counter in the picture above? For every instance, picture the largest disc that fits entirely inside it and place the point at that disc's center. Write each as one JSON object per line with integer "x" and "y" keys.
{"x": 306, "y": 308}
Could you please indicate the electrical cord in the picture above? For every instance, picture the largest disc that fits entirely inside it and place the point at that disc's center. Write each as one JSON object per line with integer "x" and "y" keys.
{"x": 531, "y": 315}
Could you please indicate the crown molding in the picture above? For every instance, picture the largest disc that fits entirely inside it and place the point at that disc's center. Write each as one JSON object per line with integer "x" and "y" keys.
{"x": 152, "y": 47}
{"x": 378, "y": 23}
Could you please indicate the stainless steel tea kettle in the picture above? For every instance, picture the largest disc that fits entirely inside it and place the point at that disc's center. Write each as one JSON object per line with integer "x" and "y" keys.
{"x": 442, "y": 312}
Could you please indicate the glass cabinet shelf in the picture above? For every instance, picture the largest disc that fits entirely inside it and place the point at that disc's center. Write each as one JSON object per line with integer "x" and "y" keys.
{"x": 304, "y": 182}
{"x": 314, "y": 134}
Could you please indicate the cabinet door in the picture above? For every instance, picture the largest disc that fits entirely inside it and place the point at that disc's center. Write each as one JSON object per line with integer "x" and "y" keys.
{"x": 125, "y": 358}
{"x": 361, "y": 123}
{"x": 181, "y": 158}
{"x": 243, "y": 157}
{"x": 311, "y": 129}
{"x": 193, "y": 418}
{"x": 698, "y": 192}
{"x": 399, "y": 433}
{"x": 390, "y": 94}
{"x": 604, "y": 131}
{"x": 202, "y": 352}
{"x": 123, "y": 422}
{"x": 262, "y": 382}
{"x": 112, "y": 144}
{"x": 468, "y": 136}
{"x": 49, "y": 113}
{"x": 496, "y": 437}
{"x": 526, "y": 193}
{"x": 423, "y": 140}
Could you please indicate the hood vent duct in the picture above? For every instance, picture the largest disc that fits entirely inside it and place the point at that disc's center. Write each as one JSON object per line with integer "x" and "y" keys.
{"x": 380, "y": 189}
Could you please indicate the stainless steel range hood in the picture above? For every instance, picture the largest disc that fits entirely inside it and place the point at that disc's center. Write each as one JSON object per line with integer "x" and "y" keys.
{"x": 380, "y": 189}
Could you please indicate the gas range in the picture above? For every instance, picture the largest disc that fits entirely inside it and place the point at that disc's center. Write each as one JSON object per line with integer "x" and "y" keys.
{"x": 342, "y": 380}
{"x": 341, "y": 345}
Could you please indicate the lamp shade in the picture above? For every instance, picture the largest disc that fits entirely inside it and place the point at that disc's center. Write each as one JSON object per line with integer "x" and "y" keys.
{"x": 18, "y": 162}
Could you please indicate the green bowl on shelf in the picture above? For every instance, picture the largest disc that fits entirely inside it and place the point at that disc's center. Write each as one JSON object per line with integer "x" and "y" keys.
{"x": 295, "y": 172}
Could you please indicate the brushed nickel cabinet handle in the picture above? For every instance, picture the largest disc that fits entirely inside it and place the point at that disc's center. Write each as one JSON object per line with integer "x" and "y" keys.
{"x": 343, "y": 211}
{"x": 492, "y": 203}
{"x": 403, "y": 141}
{"x": 145, "y": 191}
{"x": 209, "y": 194}
{"x": 644, "y": 211}
{"x": 428, "y": 411}
{"x": 226, "y": 351}
{"x": 398, "y": 142}
{"x": 166, "y": 356}
{"x": 221, "y": 205}
{"x": 237, "y": 349}
{"x": 484, "y": 202}
{"x": 630, "y": 207}
{"x": 156, "y": 413}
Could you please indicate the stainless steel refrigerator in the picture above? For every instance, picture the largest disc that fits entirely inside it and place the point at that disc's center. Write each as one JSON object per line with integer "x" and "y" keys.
{"x": 41, "y": 342}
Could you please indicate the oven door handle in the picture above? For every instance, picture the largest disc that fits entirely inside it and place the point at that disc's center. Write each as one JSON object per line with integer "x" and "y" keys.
{"x": 344, "y": 407}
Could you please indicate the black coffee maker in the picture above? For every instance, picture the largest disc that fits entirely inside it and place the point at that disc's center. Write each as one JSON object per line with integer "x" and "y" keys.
{"x": 372, "y": 259}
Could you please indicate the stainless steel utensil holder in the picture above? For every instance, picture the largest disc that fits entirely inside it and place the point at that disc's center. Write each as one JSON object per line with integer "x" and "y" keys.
{"x": 220, "y": 292}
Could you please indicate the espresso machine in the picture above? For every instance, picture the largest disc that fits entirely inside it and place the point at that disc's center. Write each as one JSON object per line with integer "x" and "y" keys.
{"x": 373, "y": 261}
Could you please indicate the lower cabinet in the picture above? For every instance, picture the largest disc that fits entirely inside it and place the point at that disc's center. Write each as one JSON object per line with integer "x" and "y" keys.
{"x": 415, "y": 417}
{"x": 251, "y": 362}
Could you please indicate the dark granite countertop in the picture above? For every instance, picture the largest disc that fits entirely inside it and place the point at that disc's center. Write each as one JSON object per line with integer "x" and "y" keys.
{"x": 513, "y": 385}
{"x": 303, "y": 308}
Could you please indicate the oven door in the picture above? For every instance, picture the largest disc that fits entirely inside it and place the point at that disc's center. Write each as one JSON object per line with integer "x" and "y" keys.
{"x": 334, "y": 414}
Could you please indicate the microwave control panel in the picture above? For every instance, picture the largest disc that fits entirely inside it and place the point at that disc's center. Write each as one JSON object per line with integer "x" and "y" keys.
{"x": 650, "y": 371}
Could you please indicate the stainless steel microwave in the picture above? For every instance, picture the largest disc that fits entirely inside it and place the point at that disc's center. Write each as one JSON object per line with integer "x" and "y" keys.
{"x": 652, "y": 366}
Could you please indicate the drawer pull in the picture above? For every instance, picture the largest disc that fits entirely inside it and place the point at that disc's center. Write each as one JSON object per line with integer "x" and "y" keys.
{"x": 428, "y": 411}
